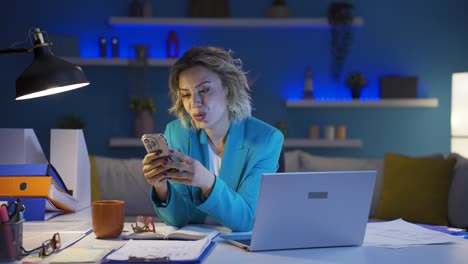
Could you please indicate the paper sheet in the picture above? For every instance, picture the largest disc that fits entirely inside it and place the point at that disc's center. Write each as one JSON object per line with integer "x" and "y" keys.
{"x": 35, "y": 233}
{"x": 54, "y": 226}
{"x": 399, "y": 234}
{"x": 172, "y": 250}
{"x": 80, "y": 255}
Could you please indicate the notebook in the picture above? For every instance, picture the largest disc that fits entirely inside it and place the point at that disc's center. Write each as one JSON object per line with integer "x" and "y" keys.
{"x": 309, "y": 209}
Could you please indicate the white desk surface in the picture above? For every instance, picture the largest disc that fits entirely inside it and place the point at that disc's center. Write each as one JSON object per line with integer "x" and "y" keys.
{"x": 226, "y": 253}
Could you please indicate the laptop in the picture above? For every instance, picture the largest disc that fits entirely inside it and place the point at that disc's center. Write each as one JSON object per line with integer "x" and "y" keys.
{"x": 309, "y": 209}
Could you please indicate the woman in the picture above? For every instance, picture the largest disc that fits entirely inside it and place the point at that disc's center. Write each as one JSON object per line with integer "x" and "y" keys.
{"x": 220, "y": 151}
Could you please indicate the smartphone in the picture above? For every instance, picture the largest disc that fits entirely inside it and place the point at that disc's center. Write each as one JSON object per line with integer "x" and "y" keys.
{"x": 154, "y": 142}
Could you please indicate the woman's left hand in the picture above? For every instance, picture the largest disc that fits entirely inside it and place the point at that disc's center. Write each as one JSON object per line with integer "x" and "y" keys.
{"x": 190, "y": 172}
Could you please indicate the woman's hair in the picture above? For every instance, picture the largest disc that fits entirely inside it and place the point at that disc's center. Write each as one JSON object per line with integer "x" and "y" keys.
{"x": 228, "y": 69}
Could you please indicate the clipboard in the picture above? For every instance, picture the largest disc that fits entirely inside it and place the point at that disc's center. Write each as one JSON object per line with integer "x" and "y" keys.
{"x": 155, "y": 258}
{"x": 200, "y": 259}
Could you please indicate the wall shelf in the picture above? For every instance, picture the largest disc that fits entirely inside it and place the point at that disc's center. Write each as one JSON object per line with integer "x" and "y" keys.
{"x": 322, "y": 143}
{"x": 125, "y": 142}
{"x": 117, "y": 62}
{"x": 226, "y": 22}
{"x": 416, "y": 102}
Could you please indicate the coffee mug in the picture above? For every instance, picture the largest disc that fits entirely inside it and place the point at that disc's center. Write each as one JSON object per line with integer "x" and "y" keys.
{"x": 108, "y": 218}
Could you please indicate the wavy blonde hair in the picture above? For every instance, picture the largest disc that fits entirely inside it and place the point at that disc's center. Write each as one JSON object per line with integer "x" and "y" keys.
{"x": 228, "y": 69}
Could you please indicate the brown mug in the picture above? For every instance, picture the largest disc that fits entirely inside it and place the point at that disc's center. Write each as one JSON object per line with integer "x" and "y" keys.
{"x": 108, "y": 218}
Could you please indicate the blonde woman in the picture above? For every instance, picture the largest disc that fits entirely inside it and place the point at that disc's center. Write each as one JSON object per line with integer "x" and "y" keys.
{"x": 220, "y": 150}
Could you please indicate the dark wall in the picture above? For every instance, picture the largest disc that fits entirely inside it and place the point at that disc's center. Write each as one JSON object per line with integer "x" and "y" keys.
{"x": 418, "y": 38}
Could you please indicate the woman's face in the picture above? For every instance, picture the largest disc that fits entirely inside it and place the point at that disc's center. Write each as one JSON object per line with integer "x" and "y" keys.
{"x": 203, "y": 97}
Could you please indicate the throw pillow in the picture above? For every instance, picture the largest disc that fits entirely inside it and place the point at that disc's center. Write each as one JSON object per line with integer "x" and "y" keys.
{"x": 458, "y": 195}
{"x": 415, "y": 189}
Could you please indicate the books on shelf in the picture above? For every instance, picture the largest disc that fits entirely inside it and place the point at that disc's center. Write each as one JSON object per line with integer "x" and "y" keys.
{"x": 174, "y": 233}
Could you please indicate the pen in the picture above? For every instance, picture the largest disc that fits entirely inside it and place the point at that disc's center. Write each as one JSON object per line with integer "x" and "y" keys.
{"x": 16, "y": 215}
{"x": 4, "y": 219}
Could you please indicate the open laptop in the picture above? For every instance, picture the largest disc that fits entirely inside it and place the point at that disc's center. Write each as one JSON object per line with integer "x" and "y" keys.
{"x": 309, "y": 209}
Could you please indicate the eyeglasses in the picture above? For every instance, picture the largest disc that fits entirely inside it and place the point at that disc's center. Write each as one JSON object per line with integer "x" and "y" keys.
{"x": 48, "y": 247}
{"x": 142, "y": 224}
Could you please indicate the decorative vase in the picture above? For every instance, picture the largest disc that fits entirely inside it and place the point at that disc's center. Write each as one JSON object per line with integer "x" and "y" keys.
{"x": 135, "y": 9}
{"x": 147, "y": 8}
{"x": 172, "y": 45}
{"x": 308, "y": 85}
{"x": 144, "y": 123}
{"x": 278, "y": 9}
{"x": 141, "y": 52}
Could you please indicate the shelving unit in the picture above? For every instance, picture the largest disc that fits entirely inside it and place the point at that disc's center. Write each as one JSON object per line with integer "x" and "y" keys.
{"x": 246, "y": 23}
{"x": 322, "y": 143}
{"x": 417, "y": 102}
{"x": 226, "y": 22}
{"x": 117, "y": 62}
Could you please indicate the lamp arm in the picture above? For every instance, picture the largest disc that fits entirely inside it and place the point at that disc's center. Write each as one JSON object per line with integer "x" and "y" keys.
{"x": 38, "y": 42}
{"x": 12, "y": 51}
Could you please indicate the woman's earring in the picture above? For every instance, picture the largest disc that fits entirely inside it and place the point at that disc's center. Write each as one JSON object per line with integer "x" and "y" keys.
{"x": 231, "y": 108}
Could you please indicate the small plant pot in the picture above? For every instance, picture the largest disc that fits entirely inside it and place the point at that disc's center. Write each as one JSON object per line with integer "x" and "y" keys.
{"x": 356, "y": 92}
{"x": 143, "y": 124}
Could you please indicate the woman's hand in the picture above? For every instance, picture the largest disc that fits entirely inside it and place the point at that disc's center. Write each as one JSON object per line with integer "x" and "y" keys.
{"x": 155, "y": 173}
{"x": 190, "y": 172}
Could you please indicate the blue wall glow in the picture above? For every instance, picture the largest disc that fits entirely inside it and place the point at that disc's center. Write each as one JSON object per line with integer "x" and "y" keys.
{"x": 397, "y": 37}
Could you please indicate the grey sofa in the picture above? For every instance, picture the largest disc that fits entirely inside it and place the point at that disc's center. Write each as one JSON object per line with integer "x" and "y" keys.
{"x": 122, "y": 179}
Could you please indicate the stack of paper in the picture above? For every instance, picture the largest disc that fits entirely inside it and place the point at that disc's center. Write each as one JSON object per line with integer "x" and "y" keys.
{"x": 399, "y": 234}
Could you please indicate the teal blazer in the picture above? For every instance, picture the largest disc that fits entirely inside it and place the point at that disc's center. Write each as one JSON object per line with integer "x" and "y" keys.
{"x": 252, "y": 148}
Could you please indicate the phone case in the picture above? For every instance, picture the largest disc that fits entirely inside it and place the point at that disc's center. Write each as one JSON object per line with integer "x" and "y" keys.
{"x": 154, "y": 142}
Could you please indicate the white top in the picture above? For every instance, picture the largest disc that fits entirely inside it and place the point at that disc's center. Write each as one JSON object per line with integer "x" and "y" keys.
{"x": 215, "y": 164}
{"x": 215, "y": 161}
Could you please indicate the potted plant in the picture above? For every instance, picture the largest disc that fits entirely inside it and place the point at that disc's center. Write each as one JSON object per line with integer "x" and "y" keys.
{"x": 356, "y": 81}
{"x": 340, "y": 19}
{"x": 144, "y": 108}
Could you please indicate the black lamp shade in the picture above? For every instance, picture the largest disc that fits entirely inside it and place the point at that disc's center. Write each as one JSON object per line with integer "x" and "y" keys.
{"x": 47, "y": 75}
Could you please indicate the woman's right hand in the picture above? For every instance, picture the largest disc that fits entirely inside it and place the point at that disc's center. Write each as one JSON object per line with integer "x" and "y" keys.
{"x": 154, "y": 173}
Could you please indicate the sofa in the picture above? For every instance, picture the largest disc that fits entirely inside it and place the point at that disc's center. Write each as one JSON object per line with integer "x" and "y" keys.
{"x": 122, "y": 179}
{"x": 455, "y": 197}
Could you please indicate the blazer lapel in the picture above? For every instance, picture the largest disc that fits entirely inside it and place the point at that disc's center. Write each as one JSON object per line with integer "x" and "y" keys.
{"x": 199, "y": 151}
{"x": 234, "y": 155}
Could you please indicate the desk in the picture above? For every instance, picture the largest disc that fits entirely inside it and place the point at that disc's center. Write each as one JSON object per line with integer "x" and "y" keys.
{"x": 226, "y": 253}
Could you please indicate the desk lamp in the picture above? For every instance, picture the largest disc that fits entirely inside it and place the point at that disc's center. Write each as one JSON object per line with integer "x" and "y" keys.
{"x": 47, "y": 74}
